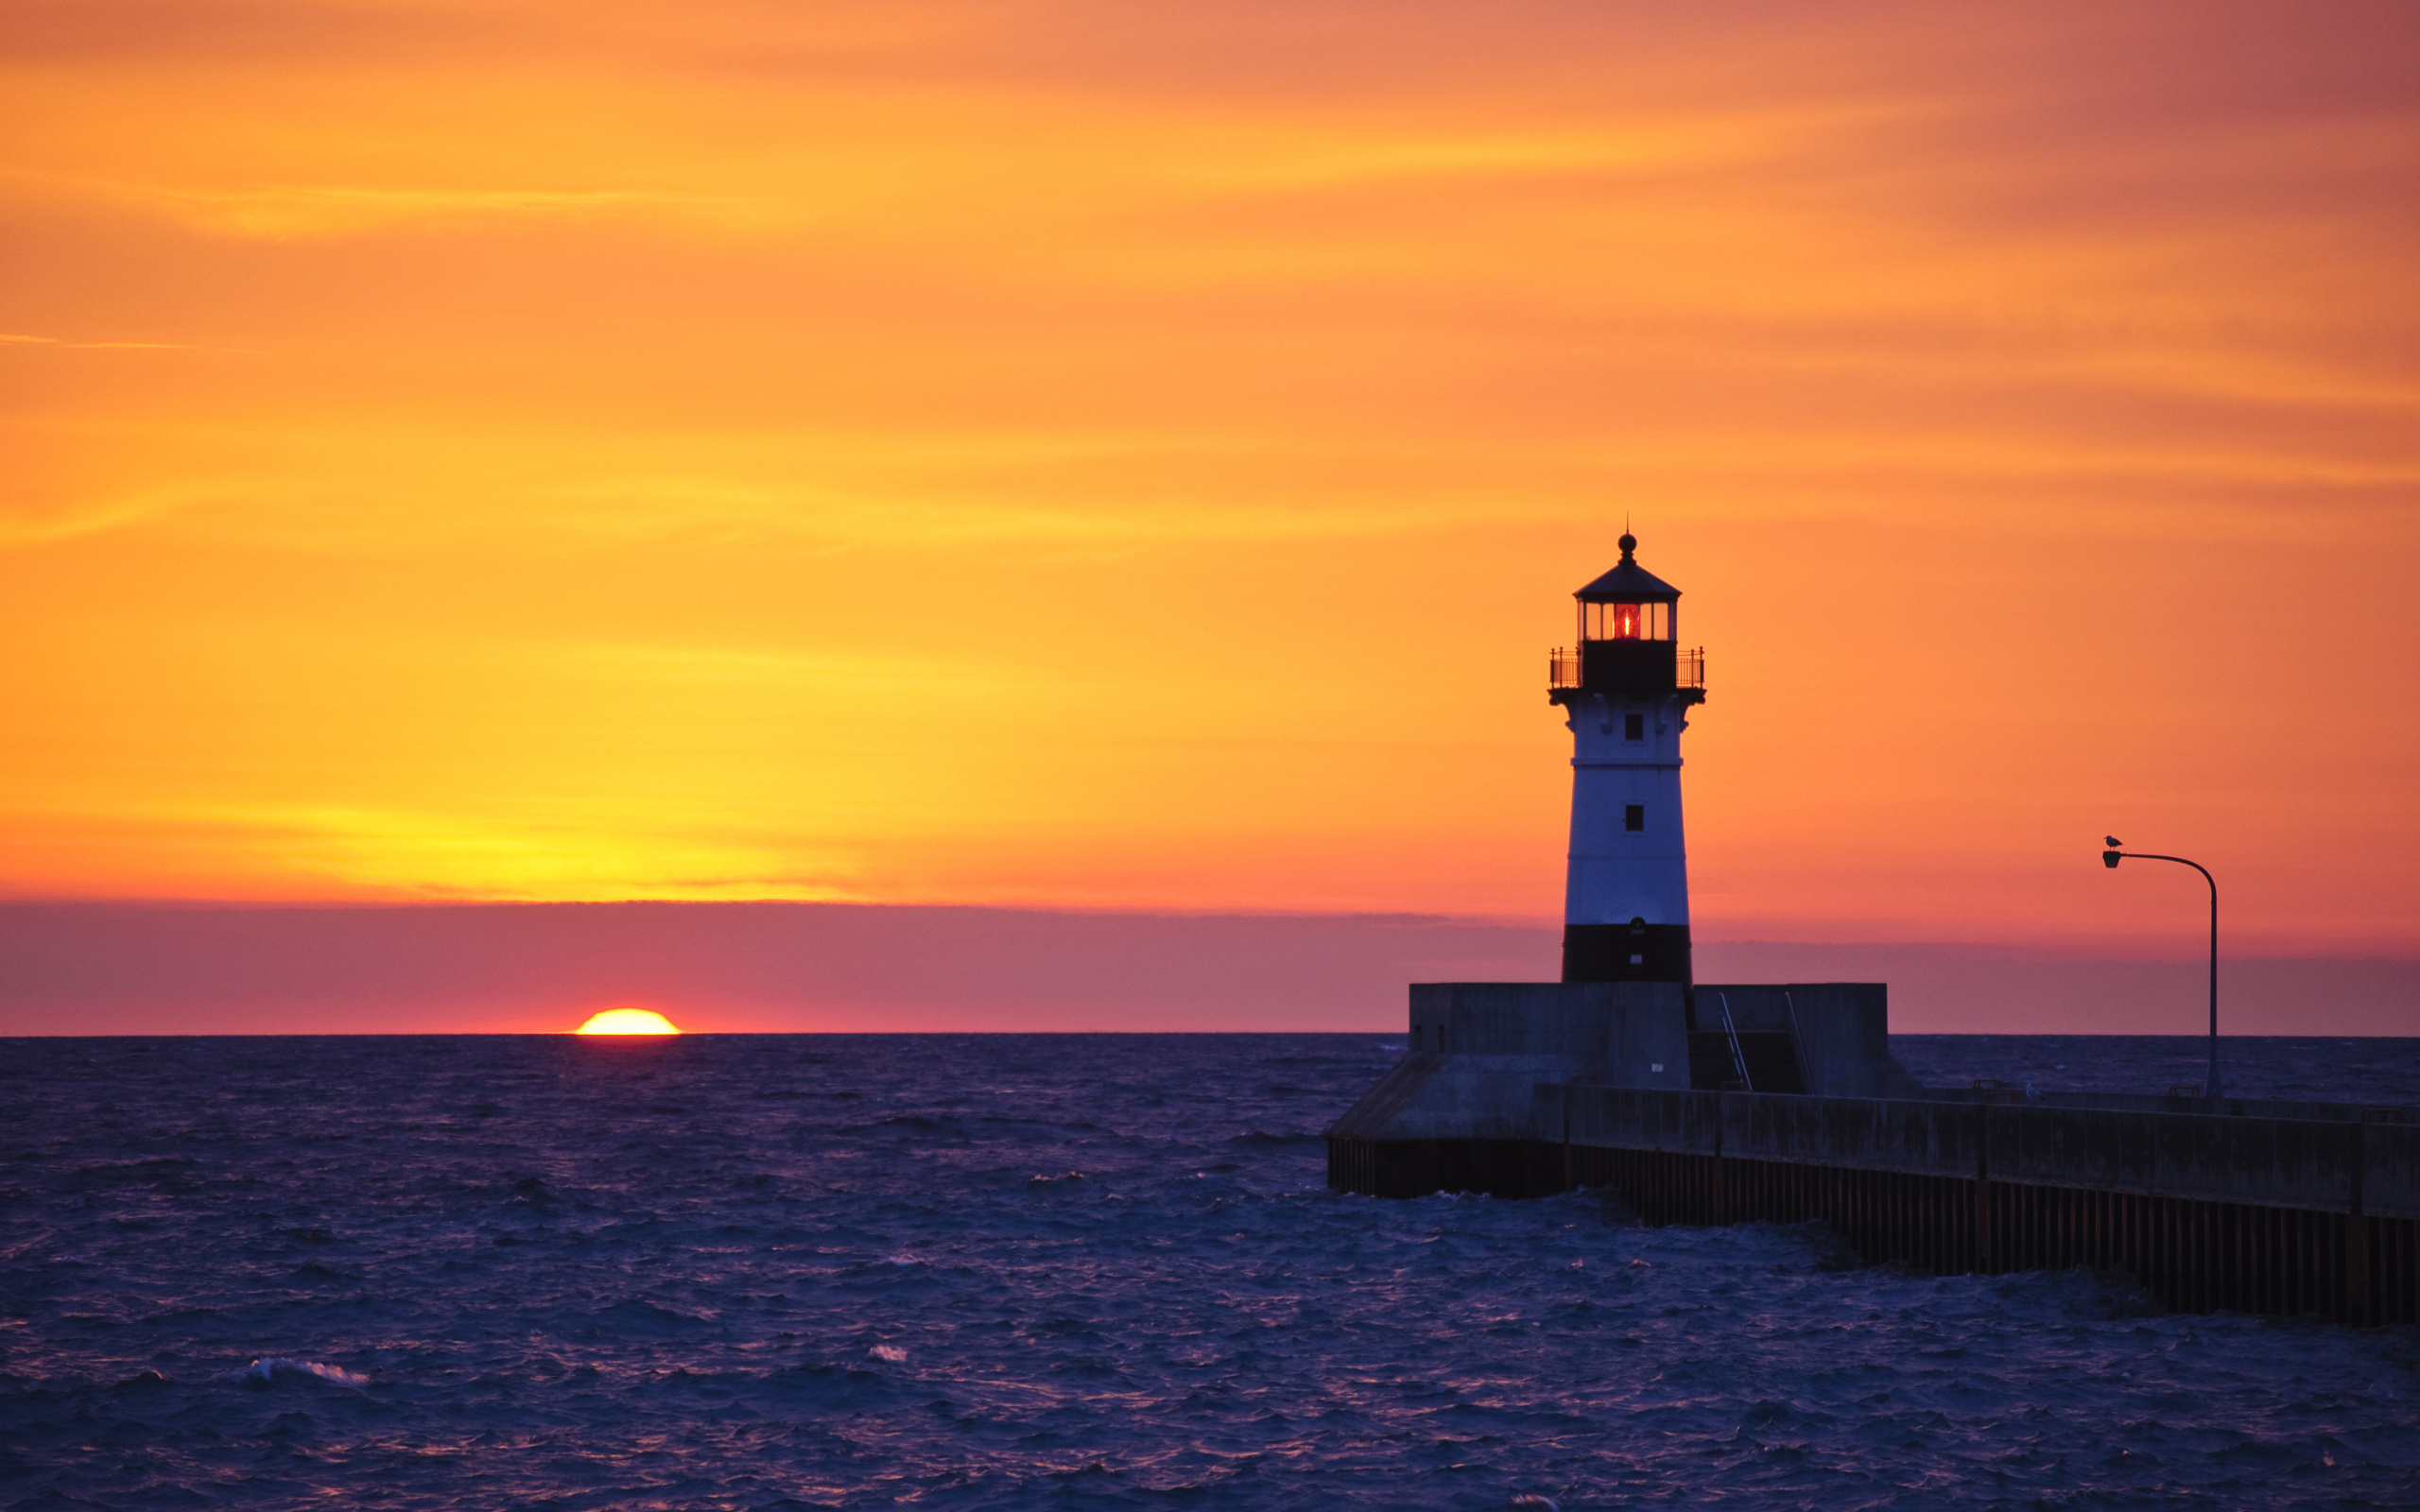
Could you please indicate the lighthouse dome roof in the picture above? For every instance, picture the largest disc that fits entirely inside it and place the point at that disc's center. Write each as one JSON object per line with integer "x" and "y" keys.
{"x": 1627, "y": 582}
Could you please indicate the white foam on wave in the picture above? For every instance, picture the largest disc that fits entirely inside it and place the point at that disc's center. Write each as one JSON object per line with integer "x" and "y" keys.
{"x": 270, "y": 1367}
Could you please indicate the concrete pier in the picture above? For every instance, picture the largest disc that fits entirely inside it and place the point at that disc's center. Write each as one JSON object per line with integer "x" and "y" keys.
{"x": 1525, "y": 1090}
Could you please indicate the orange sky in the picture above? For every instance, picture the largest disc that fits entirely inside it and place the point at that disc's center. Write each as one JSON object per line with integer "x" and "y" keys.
{"x": 1117, "y": 455}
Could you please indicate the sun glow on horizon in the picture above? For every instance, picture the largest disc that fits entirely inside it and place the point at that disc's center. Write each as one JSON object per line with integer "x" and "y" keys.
{"x": 628, "y": 1020}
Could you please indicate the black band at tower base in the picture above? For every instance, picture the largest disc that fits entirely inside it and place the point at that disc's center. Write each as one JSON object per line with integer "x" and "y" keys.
{"x": 1626, "y": 953}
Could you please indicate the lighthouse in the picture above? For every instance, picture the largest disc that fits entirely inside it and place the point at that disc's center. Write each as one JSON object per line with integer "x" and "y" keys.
{"x": 1625, "y": 694}
{"x": 1503, "y": 1083}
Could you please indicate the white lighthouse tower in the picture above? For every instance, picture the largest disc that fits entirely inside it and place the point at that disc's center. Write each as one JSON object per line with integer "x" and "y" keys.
{"x": 1626, "y": 691}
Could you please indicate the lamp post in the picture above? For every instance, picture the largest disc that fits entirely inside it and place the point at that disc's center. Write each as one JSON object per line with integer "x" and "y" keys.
{"x": 2110, "y": 858}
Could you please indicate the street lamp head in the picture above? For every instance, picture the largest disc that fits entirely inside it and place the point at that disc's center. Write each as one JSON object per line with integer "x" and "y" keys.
{"x": 2109, "y": 859}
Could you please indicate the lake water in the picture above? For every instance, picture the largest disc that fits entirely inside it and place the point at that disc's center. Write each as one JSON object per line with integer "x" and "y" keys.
{"x": 1046, "y": 1271}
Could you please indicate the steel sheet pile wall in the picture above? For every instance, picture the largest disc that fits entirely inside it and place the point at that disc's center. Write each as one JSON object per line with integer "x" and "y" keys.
{"x": 1414, "y": 1168}
{"x": 2256, "y": 1214}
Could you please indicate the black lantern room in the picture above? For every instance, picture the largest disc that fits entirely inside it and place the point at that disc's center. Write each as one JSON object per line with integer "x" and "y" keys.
{"x": 1629, "y": 625}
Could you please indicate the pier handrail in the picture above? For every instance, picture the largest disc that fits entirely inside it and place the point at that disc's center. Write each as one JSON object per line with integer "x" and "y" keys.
{"x": 2110, "y": 858}
{"x": 1738, "y": 1060}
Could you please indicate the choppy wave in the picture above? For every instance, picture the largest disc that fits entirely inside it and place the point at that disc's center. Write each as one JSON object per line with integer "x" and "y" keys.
{"x": 269, "y": 1369}
{"x": 1039, "y": 1272}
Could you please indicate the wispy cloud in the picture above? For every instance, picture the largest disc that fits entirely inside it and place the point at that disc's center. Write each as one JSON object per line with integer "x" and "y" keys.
{"x": 15, "y": 339}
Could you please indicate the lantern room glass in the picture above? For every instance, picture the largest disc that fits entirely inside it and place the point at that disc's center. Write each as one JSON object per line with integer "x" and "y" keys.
{"x": 1626, "y": 622}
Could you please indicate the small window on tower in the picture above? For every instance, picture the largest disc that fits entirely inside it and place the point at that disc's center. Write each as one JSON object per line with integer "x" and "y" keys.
{"x": 1635, "y": 816}
{"x": 1633, "y": 726}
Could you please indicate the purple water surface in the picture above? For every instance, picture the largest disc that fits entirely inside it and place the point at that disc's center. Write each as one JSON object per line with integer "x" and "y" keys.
{"x": 1045, "y": 1271}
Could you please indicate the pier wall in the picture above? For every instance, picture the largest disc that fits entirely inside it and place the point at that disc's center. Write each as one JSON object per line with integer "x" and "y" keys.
{"x": 2207, "y": 1212}
{"x": 1840, "y": 1031}
{"x": 1480, "y": 1048}
{"x": 2335, "y": 1166}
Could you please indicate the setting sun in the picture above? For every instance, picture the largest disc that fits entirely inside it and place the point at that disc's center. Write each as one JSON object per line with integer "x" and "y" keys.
{"x": 628, "y": 1020}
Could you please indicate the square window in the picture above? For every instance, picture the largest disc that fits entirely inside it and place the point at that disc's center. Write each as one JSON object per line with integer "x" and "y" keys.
{"x": 1633, "y": 726}
{"x": 1635, "y": 817}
